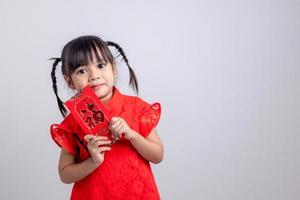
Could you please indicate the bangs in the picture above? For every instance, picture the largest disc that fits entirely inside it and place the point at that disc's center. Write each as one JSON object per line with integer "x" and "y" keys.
{"x": 85, "y": 50}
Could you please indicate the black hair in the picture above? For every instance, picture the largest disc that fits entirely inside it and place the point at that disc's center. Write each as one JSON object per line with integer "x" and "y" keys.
{"x": 80, "y": 52}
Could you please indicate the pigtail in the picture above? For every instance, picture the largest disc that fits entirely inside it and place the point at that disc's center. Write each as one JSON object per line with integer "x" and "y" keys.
{"x": 61, "y": 106}
{"x": 132, "y": 80}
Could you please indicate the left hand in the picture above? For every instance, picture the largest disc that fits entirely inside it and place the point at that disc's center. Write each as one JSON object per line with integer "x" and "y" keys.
{"x": 119, "y": 128}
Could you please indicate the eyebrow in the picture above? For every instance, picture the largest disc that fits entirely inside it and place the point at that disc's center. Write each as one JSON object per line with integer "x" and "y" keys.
{"x": 100, "y": 62}
{"x": 94, "y": 62}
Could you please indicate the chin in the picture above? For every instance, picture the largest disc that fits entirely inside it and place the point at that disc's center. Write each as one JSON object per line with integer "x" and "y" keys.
{"x": 101, "y": 94}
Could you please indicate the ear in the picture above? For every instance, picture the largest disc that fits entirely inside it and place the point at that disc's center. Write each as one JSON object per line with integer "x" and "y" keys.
{"x": 69, "y": 82}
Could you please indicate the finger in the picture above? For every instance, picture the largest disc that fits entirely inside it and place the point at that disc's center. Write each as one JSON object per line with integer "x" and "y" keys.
{"x": 113, "y": 121}
{"x": 98, "y": 138}
{"x": 121, "y": 129}
{"x": 102, "y": 142}
{"x": 117, "y": 125}
{"x": 92, "y": 142}
{"x": 102, "y": 149}
{"x": 116, "y": 139}
{"x": 88, "y": 137}
{"x": 115, "y": 134}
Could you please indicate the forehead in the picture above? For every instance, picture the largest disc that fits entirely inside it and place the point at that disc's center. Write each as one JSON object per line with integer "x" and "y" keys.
{"x": 96, "y": 57}
{"x": 85, "y": 55}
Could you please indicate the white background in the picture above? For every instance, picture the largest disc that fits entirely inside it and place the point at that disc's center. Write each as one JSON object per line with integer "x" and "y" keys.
{"x": 225, "y": 72}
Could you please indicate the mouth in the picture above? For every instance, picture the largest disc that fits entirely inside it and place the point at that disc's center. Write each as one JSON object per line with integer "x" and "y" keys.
{"x": 97, "y": 86}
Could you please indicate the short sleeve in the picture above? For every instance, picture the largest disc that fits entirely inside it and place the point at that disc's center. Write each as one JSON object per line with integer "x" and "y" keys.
{"x": 149, "y": 115}
{"x": 64, "y": 137}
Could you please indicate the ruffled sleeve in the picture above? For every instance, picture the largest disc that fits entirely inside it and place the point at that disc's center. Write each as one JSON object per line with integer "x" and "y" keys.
{"x": 64, "y": 137}
{"x": 149, "y": 115}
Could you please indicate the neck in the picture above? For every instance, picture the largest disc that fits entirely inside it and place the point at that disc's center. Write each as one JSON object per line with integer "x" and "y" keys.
{"x": 106, "y": 98}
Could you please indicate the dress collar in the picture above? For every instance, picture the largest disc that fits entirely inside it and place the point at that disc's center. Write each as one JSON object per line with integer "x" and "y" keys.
{"x": 114, "y": 105}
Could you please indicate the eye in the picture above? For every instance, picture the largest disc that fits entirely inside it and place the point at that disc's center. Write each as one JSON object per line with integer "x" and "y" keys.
{"x": 81, "y": 71}
{"x": 101, "y": 65}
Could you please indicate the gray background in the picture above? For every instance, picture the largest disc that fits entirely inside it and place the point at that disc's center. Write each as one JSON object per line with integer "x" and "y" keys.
{"x": 225, "y": 72}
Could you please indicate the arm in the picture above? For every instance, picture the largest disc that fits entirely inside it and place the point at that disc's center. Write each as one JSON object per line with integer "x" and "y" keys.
{"x": 150, "y": 148}
{"x": 70, "y": 171}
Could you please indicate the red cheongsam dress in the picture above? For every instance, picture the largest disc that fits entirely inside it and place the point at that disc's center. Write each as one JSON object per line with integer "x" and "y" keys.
{"x": 124, "y": 174}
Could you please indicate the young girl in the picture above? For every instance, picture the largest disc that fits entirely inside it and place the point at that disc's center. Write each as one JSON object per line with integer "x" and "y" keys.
{"x": 102, "y": 170}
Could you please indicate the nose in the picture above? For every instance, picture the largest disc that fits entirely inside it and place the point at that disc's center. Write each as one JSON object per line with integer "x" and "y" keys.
{"x": 93, "y": 78}
{"x": 94, "y": 75}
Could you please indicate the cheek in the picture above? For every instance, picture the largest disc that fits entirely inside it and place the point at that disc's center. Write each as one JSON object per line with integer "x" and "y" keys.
{"x": 80, "y": 83}
{"x": 110, "y": 78}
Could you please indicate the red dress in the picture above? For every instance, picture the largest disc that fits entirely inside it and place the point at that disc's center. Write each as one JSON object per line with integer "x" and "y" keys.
{"x": 124, "y": 174}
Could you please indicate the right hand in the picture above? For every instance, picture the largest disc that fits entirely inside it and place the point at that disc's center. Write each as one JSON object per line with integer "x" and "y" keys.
{"x": 97, "y": 145}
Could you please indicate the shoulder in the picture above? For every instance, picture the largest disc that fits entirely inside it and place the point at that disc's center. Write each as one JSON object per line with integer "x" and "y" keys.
{"x": 69, "y": 124}
{"x": 135, "y": 101}
{"x": 131, "y": 99}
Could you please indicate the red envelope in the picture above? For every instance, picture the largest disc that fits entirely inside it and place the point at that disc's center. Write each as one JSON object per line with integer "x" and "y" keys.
{"x": 90, "y": 113}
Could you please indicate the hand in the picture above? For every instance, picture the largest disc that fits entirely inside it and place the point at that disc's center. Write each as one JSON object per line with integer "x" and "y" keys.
{"x": 97, "y": 145}
{"x": 120, "y": 128}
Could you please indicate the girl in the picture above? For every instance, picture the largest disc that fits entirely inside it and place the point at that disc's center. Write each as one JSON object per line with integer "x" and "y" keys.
{"x": 120, "y": 170}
